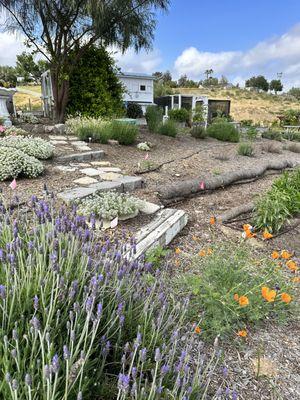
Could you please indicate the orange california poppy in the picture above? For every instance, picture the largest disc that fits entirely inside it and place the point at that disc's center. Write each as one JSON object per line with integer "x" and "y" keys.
{"x": 249, "y": 234}
{"x": 202, "y": 253}
{"x": 209, "y": 251}
{"x": 242, "y": 333}
{"x": 243, "y": 301}
{"x": 177, "y": 250}
{"x": 194, "y": 238}
{"x": 286, "y": 255}
{"x": 268, "y": 294}
{"x": 212, "y": 220}
{"x": 247, "y": 227}
{"x": 198, "y": 329}
{"x": 275, "y": 255}
{"x": 296, "y": 279}
{"x": 292, "y": 265}
{"x": 286, "y": 298}
{"x": 236, "y": 297}
{"x": 267, "y": 235}
{"x": 177, "y": 263}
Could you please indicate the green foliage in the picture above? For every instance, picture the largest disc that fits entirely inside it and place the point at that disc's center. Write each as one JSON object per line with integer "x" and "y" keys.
{"x": 14, "y": 131}
{"x": 14, "y": 163}
{"x": 258, "y": 82}
{"x": 35, "y": 147}
{"x": 246, "y": 122}
{"x": 28, "y": 68}
{"x": 214, "y": 281}
{"x": 95, "y": 90}
{"x": 273, "y": 135}
{"x": 109, "y": 205}
{"x": 134, "y": 110}
{"x": 156, "y": 256}
{"x": 123, "y": 132}
{"x": 295, "y": 92}
{"x": 223, "y": 131}
{"x": 282, "y": 201}
{"x": 246, "y": 149}
{"x": 180, "y": 115}
{"x": 8, "y": 76}
{"x": 291, "y": 135}
{"x": 168, "y": 128}
{"x": 276, "y": 85}
{"x": 291, "y": 117}
{"x": 154, "y": 117}
{"x": 251, "y": 133}
{"x": 161, "y": 89}
{"x": 198, "y": 132}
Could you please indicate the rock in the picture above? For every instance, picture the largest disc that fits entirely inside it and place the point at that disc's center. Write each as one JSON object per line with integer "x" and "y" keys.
{"x": 107, "y": 186}
{"x": 83, "y": 148}
{"x": 110, "y": 176}
{"x": 86, "y": 180}
{"x": 149, "y": 208}
{"x": 88, "y": 156}
{"x": 78, "y": 143}
{"x": 78, "y": 193}
{"x": 59, "y": 129}
{"x": 81, "y": 165}
{"x": 113, "y": 142}
{"x": 109, "y": 169}
{"x": 61, "y": 142}
{"x": 58, "y": 138}
{"x": 48, "y": 128}
{"x": 90, "y": 171}
{"x": 130, "y": 183}
{"x": 38, "y": 129}
{"x": 72, "y": 138}
{"x": 101, "y": 163}
{"x": 65, "y": 168}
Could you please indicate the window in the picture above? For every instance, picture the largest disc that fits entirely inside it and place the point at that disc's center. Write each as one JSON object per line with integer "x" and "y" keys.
{"x": 142, "y": 88}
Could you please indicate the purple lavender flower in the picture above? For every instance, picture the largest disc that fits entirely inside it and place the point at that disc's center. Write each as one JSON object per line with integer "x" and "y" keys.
{"x": 79, "y": 396}
{"x": 28, "y": 380}
{"x": 66, "y": 352}
{"x": 164, "y": 369}
{"x": 2, "y": 292}
{"x": 8, "y": 377}
{"x": 99, "y": 310}
{"x": 35, "y": 323}
{"x": 15, "y": 384}
{"x": 35, "y": 302}
{"x": 55, "y": 364}
{"x": 225, "y": 372}
{"x": 14, "y": 353}
{"x": 123, "y": 383}
{"x": 143, "y": 354}
{"x": 157, "y": 356}
{"x": 234, "y": 395}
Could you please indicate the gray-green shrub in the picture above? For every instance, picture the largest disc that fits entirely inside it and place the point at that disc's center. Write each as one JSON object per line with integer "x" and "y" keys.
{"x": 223, "y": 131}
{"x": 198, "y": 132}
{"x": 180, "y": 115}
{"x": 123, "y": 132}
{"x": 154, "y": 117}
{"x": 245, "y": 149}
{"x": 169, "y": 128}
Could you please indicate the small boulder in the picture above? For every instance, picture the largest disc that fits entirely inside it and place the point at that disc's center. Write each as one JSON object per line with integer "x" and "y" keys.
{"x": 59, "y": 129}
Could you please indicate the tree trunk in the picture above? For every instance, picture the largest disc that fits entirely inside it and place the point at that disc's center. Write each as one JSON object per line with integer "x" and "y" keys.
{"x": 61, "y": 96}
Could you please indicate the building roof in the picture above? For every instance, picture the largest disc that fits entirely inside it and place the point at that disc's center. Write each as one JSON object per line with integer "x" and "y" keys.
{"x": 136, "y": 75}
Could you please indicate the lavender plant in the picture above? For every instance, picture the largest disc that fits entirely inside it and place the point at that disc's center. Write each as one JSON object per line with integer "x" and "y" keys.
{"x": 80, "y": 321}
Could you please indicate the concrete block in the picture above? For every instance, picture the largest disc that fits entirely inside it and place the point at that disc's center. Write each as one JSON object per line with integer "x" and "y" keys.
{"x": 69, "y": 196}
{"x": 81, "y": 157}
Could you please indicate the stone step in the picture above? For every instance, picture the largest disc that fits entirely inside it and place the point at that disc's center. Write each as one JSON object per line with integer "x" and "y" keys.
{"x": 160, "y": 232}
{"x": 78, "y": 193}
{"x": 80, "y": 157}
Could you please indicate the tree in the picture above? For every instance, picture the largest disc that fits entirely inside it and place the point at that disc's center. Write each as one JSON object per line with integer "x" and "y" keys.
{"x": 258, "y": 82}
{"x": 167, "y": 77}
{"x": 295, "y": 92}
{"x": 208, "y": 73}
{"x": 223, "y": 81}
{"x": 210, "y": 81}
{"x": 182, "y": 81}
{"x": 276, "y": 85}
{"x": 8, "y": 76}
{"x": 62, "y": 31}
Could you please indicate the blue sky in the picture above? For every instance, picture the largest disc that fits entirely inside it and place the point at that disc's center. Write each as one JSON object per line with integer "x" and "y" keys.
{"x": 236, "y": 38}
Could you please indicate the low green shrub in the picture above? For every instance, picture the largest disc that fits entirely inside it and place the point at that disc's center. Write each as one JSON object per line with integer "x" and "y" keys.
{"x": 291, "y": 135}
{"x": 134, "y": 110}
{"x": 14, "y": 131}
{"x": 123, "y": 132}
{"x": 35, "y": 147}
{"x": 156, "y": 256}
{"x": 169, "y": 128}
{"x": 245, "y": 149}
{"x": 14, "y": 163}
{"x": 109, "y": 205}
{"x": 282, "y": 201}
{"x": 86, "y": 128}
{"x": 223, "y": 131}
{"x": 198, "y": 132}
{"x": 225, "y": 286}
{"x": 154, "y": 117}
{"x": 251, "y": 133}
{"x": 273, "y": 135}
{"x": 180, "y": 115}
{"x": 246, "y": 122}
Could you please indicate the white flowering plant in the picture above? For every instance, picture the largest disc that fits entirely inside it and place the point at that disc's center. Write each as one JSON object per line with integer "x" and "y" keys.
{"x": 109, "y": 205}
{"x": 35, "y": 147}
{"x": 14, "y": 131}
{"x": 143, "y": 146}
{"x": 14, "y": 162}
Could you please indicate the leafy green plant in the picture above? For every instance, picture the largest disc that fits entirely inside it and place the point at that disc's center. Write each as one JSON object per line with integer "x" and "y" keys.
{"x": 180, "y": 115}
{"x": 87, "y": 128}
{"x": 123, "y": 132}
{"x": 223, "y": 131}
{"x": 154, "y": 117}
{"x": 251, "y": 133}
{"x": 109, "y": 205}
{"x": 15, "y": 131}
{"x": 198, "y": 132}
{"x": 273, "y": 135}
{"x": 134, "y": 110}
{"x": 32, "y": 146}
{"x": 156, "y": 256}
{"x": 225, "y": 288}
{"x": 282, "y": 201}
{"x": 246, "y": 149}
{"x": 291, "y": 135}
{"x": 14, "y": 163}
{"x": 168, "y": 128}
{"x": 291, "y": 117}
{"x": 246, "y": 122}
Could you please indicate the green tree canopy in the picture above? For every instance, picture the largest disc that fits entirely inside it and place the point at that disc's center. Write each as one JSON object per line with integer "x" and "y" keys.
{"x": 8, "y": 76}
{"x": 258, "y": 82}
{"x": 276, "y": 85}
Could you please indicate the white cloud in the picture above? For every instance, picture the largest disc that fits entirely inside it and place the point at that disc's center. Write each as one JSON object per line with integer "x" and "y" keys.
{"x": 10, "y": 46}
{"x": 278, "y": 54}
{"x": 131, "y": 61}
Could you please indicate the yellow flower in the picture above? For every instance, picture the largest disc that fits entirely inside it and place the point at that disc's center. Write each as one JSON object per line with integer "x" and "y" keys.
{"x": 243, "y": 301}
{"x": 275, "y": 255}
{"x": 177, "y": 250}
{"x": 242, "y": 333}
{"x": 286, "y": 255}
{"x": 292, "y": 265}
{"x": 286, "y": 298}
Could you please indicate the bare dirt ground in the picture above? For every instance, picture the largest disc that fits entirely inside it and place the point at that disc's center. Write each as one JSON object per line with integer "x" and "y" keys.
{"x": 277, "y": 344}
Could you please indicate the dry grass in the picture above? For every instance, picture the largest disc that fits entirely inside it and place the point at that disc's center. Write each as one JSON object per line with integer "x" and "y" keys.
{"x": 24, "y": 101}
{"x": 259, "y": 107}
{"x": 271, "y": 147}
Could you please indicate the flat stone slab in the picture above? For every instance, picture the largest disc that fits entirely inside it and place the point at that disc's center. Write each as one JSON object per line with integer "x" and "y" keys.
{"x": 81, "y": 157}
{"x": 57, "y": 137}
{"x": 61, "y": 142}
{"x": 90, "y": 171}
{"x": 69, "y": 196}
{"x": 83, "y": 148}
{"x": 149, "y": 208}
{"x": 109, "y": 169}
{"x": 80, "y": 165}
{"x": 110, "y": 176}
{"x": 65, "y": 168}
{"x": 101, "y": 163}
{"x": 72, "y": 138}
{"x": 107, "y": 186}
{"x": 130, "y": 183}
{"x": 85, "y": 180}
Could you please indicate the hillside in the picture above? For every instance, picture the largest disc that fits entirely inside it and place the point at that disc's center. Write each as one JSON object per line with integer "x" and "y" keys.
{"x": 260, "y": 107}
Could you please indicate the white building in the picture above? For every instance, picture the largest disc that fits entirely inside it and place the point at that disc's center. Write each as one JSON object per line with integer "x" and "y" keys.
{"x": 139, "y": 88}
